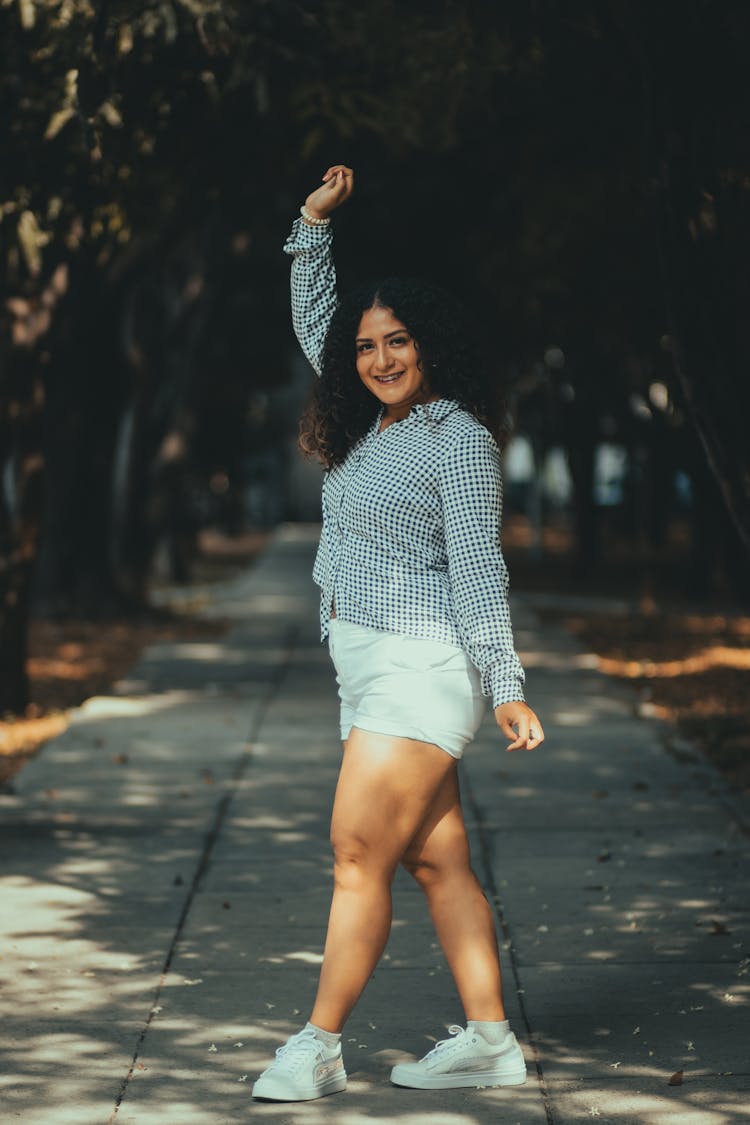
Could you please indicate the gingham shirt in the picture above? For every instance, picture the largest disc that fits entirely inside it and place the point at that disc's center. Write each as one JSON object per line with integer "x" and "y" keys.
{"x": 411, "y": 519}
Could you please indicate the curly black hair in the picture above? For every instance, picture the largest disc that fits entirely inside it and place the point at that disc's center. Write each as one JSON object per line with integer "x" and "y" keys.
{"x": 452, "y": 356}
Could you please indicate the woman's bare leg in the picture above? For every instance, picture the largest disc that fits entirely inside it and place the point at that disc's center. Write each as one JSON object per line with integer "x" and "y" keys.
{"x": 385, "y": 790}
{"x": 438, "y": 858}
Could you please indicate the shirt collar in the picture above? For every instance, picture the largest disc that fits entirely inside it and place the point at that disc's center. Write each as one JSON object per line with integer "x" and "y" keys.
{"x": 433, "y": 411}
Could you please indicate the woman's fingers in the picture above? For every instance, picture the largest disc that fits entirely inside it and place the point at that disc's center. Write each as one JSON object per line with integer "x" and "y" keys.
{"x": 338, "y": 168}
{"x": 523, "y": 734}
{"x": 521, "y": 725}
{"x": 536, "y": 734}
{"x": 516, "y": 739}
{"x": 340, "y": 178}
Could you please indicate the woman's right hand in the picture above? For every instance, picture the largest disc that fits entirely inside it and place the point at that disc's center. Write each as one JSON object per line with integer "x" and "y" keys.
{"x": 338, "y": 185}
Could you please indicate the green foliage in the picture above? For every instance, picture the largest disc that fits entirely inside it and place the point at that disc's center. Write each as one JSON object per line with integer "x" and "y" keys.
{"x": 560, "y": 166}
{"x": 125, "y": 116}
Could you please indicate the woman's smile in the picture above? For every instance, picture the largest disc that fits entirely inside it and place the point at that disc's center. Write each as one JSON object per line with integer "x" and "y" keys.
{"x": 389, "y": 378}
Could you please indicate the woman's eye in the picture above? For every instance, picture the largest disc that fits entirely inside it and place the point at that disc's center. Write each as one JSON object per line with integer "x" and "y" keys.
{"x": 396, "y": 341}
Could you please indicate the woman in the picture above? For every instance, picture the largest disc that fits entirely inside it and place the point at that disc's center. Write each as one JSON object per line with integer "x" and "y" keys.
{"x": 414, "y": 605}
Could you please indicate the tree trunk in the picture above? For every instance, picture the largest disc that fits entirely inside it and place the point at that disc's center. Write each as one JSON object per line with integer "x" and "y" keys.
{"x": 85, "y": 399}
{"x": 20, "y": 511}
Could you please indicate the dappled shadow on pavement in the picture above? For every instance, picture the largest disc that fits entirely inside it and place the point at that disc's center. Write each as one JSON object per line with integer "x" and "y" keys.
{"x": 166, "y": 878}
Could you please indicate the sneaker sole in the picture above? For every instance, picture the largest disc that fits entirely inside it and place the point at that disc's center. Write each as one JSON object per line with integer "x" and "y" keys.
{"x": 402, "y": 1076}
{"x": 270, "y": 1091}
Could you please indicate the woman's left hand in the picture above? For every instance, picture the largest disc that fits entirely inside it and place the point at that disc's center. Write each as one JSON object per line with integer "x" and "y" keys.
{"x": 528, "y": 733}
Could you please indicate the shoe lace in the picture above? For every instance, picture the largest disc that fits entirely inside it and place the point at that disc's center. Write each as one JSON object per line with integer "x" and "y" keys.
{"x": 456, "y": 1033}
{"x": 298, "y": 1049}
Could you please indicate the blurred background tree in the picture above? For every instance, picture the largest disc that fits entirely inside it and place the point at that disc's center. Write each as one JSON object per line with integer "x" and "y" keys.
{"x": 577, "y": 172}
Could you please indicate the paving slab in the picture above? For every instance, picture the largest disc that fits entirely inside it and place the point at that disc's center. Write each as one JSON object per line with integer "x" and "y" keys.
{"x": 651, "y": 1101}
{"x": 165, "y": 880}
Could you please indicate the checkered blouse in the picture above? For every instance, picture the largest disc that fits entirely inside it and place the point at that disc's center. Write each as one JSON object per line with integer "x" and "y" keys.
{"x": 411, "y": 519}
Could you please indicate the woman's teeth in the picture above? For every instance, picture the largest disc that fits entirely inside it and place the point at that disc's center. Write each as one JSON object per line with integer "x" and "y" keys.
{"x": 389, "y": 378}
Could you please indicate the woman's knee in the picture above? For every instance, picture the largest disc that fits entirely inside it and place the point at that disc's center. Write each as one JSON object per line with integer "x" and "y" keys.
{"x": 433, "y": 865}
{"x": 431, "y": 873}
{"x": 423, "y": 872}
{"x": 355, "y": 859}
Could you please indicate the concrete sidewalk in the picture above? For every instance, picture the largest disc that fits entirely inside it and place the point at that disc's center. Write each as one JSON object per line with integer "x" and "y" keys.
{"x": 165, "y": 879}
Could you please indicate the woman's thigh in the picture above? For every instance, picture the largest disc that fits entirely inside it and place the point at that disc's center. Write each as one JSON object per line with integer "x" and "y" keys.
{"x": 440, "y": 842}
{"x": 386, "y": 789}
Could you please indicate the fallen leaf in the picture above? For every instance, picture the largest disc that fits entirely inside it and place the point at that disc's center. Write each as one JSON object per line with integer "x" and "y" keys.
{"x": 676, "y": 1079}
{"x": 718, "y": 927}
{"x": 604, "y": 857}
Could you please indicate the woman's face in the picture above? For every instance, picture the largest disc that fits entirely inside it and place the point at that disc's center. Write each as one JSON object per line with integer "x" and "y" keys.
{"x": 387, "y": 362}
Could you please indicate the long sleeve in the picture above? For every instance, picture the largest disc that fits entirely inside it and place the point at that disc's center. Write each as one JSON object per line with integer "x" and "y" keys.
{"x": 313, "y": 285}
{"x": 471, "y": 490}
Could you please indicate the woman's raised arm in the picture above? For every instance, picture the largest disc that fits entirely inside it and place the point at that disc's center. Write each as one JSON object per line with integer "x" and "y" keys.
{"x": 313, "y": 280}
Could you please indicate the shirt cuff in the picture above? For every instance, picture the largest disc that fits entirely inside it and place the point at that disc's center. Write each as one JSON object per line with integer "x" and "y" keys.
{"x": 501, "y": 687}
{"x": 305, "y": 238}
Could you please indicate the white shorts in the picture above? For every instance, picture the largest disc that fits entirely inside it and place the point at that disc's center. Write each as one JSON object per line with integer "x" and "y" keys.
{"x": 406, "y": 686}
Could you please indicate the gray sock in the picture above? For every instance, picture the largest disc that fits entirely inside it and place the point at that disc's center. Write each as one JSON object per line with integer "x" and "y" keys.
{"x": 493, "y": 1032}
{"x": 330, "y": 1038}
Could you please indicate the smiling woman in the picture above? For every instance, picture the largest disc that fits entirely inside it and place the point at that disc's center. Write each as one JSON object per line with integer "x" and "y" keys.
{"x": 392, "y": 325}
{"x": 414, "y": 607}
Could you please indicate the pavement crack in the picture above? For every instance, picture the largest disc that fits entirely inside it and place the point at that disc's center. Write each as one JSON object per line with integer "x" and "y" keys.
{"x": 211, "y": 838}
{"x": 488, "y": 879}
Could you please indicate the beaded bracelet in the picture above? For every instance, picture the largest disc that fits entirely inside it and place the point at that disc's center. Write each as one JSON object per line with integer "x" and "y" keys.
{"x": 313, "y": 220}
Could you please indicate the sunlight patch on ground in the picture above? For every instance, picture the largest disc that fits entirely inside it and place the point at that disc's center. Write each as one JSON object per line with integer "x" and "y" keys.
{"x": 652, "y": 1108}
{"x": 562, "y": 661}
{"x": 112, "y": 707}
{"x": 715, "y": 656}
{"x": 571, "y": 718}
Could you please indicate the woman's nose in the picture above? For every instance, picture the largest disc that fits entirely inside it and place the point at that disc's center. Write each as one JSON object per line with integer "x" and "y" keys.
{"x": 382, "y": 360}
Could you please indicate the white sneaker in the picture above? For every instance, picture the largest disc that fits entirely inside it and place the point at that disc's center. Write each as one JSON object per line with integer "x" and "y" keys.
{"x": 466, "y": 1059}
{"x": 304, "y": 1068}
